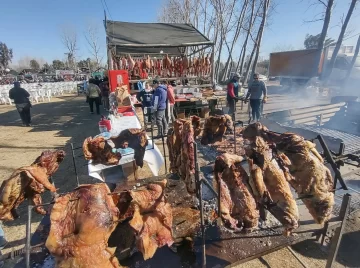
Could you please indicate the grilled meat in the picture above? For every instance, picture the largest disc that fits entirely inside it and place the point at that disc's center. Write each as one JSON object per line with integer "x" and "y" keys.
{"x": 81, "y": 223}
{"x": 238, "y": 206}
{"x": 28, "y": 183}
{"x": 174, "y": 145}
{"x": 214, "y": 128}
{"x": 187, "y": 166}
{"x": 100, "y": 152}
{"x": 311, "y": 179}
{"x": 195, "y": 121}
{"x": 134, "y": 138}
{"x": 270, "y": 186}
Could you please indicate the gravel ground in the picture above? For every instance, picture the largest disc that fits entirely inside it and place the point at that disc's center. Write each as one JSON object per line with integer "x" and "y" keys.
{"x": 67, "y": 120}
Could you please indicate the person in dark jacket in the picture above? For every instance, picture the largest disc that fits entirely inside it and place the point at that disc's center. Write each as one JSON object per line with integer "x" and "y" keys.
{"x": 145, "y": 96}
{"x": 22, "y": 102}
{"x": 159, "y": 107}
{"x": 258, "y": 94}
{"x": 233, "y": 93}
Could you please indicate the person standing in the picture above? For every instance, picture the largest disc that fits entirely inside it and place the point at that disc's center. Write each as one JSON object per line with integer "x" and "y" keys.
{"x": 171, "y": 99}
{"x": 233, "y": 93}
{"x": 93, "y": 95}
{"x": 258, "y": 94}
{"x": 22, "y": 102}
{"x": 145, "y": 96}
{"x": 104, "y": 87}
{"x": 159, "y": 107}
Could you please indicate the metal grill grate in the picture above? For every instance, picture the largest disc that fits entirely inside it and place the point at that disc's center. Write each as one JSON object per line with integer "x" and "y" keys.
{"x": 352, "y": 142}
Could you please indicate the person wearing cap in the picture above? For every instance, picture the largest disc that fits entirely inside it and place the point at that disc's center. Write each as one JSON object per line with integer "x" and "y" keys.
{"x": 22, "y": 102}
{"x": 233, "y": 92}
{"x": 159, "y": 107}
{"x": 145, "y": 97}
{"x": 257, "y": 93}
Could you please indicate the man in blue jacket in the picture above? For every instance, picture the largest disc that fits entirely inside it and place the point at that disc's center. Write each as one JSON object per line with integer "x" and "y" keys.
{"x": 159, "y": 106}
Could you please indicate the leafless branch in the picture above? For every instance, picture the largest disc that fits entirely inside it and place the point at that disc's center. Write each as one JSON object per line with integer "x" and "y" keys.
{"x": 92, "y": 38}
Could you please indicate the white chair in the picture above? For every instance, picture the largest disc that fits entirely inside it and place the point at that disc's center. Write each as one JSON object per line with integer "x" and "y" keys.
{"x": 48, "y": 94}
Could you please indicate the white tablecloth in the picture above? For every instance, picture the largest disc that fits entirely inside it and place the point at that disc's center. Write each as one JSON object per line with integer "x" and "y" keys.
{"x": 152, "y": 157}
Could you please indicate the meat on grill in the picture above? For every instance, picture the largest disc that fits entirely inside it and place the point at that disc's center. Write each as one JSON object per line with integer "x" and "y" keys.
{"x": 195, "y": 121}
{"x": 174, "y": 145}
{"x": 238, "y": 206}
{"x": 81, "y": 223}
{"x": 100, "y": 152}
{"x": 187, "y": 166}
{"x": 311, "y": 179}
{"x": 28, "y": 183}
{"x": 215, "y": 128}
{"x": 270, "y": 186}
{"x": 50, "y": 160}
{"x": 134, "y": 138}
{"x": 151, "y": 217}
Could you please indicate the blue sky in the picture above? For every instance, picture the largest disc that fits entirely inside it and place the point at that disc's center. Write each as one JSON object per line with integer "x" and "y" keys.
{"x": 32, "y": 28}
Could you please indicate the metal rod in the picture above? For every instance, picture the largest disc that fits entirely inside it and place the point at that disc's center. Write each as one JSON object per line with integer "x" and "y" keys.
{"x": 335, "y": 241}
{"x": 164, "y": 150}
{"x": 73, "y": 157}
{"x": 197, "y": 179}
{"x": 233, "y": 118}
{"x": 28, "y": 237}
{"x": 202, "y": 227}
{"x": 296, "y": 257}
{"x": 331, "y": 161}
{"x": 342, "y": 148}
{"x": 219, "y": 198}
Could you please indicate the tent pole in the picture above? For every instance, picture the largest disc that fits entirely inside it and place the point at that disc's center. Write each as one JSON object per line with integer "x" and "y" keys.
{"x": 213, "y": 67}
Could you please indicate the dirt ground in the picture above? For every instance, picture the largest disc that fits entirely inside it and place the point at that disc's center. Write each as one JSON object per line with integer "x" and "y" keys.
{"x": 67, "y": 120}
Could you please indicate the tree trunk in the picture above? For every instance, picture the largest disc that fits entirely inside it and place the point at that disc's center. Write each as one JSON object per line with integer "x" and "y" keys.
{"x": 341, "y": 36}
{"x": 324, "y": 33}
{"x": 260, "y": 34}
{"x": 236, "y": 36}
{"x": 353, "y": 59}
{"x": 251, "y": 57}
{"x": 243, "y": 55}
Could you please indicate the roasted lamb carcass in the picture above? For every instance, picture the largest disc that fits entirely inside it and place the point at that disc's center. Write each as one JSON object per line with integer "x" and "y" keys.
{"x": 214, "y": 129}
{"x": 311, "y": 179}
{"x": 134, "y": 138}
{"x": 24, "y": 183}
{"x": 28, "y": 183}
{"x": 100, "y": 152}
{"x": 269, "y": 184}
{"x": 151, "y": 216}
{"x": 174, "y": 145}
{"x": 50, "y": 160}
{"x": 195, "y": 121}
{"x": 81, "y": 223}
{"x": 187, "y": 167}
{"x": 238, "y": 206}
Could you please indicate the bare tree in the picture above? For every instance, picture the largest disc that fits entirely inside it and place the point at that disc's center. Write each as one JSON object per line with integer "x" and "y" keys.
{"x": 251, "y": 22}
{"x": 328, "y": 9}
{"x": 341, "y": 35}
{"x": 356, "y": 53}
{"x": 92, "y": 38}
{"x": 236, "y": 36}
{"x": 69, "y": 39}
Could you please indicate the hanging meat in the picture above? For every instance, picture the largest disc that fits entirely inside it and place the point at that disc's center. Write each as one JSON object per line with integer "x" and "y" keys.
{"x": 187, "y": 168}
{"x": 130, "y": 62}
{"x": 100, "y": 152}
{"x": 207, "y": 65}
{"x": 28, "y": 183}
{"x": 174, "y": 145}
{"x": 238, "y": 206}
{"x": 124, "y": 63}
{"x": 134, "y": 138}
{"x": 185, "y": 64}
{"x": 195, "y": 121}
{"x": 81, "y": 224}
{"x": 269, "y": 184}
{"x": 215, "y": 128}
{"x": 311, "y": 179}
